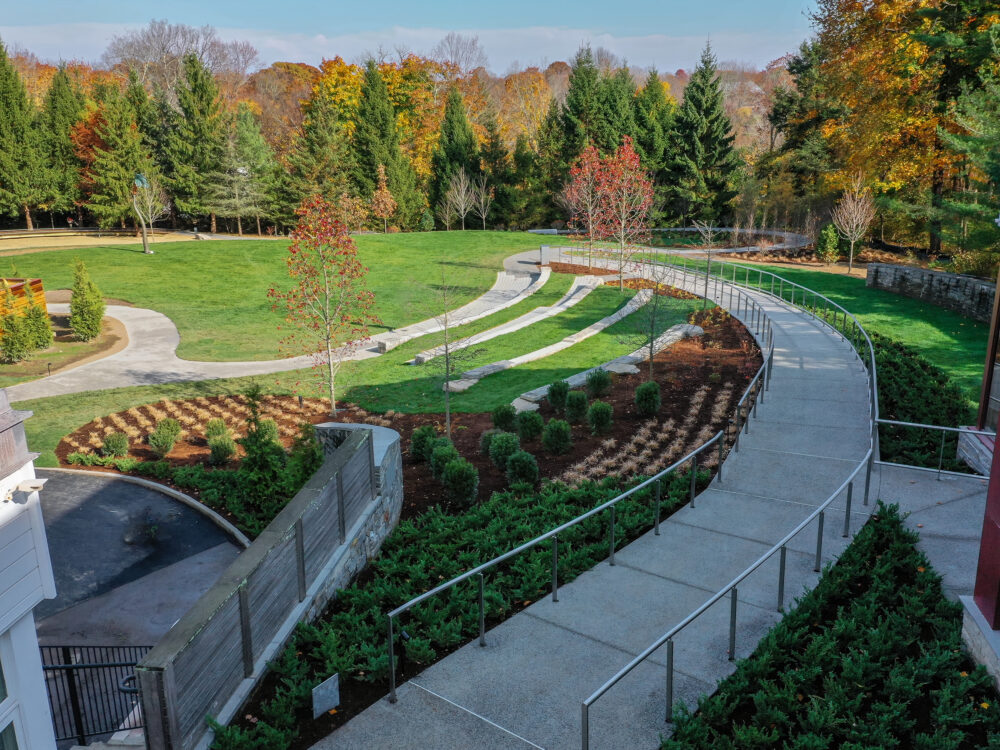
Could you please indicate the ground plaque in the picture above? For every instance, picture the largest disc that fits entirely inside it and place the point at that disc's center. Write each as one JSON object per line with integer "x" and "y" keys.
{"x": 326, "y": 696}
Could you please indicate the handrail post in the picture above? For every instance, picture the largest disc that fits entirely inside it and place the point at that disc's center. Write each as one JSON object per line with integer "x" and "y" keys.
{"x": 941, "y": 455}
{"x": 732, "y": 626}
{"x": 659, "y": 492}
{"x": 868, "y": 471}
{"x": 611, "y": 537}
{"x": 694, "y": 476}
{"x": 585, "y": 726}
{"x": 819, "y": 542}
{"x": 739, "y": 428}
{"x": 670, "y": 679}
{"x": 718, "y": 474}
{"x": 392, "y": 665}
{"x": 482, "y": 612}
{"x": 781, "y": 579}
{"x": 847, "y": 511}
{"x": 555, "y": 568}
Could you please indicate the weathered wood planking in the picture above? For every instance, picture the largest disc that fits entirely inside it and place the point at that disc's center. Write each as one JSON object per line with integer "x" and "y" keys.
{"x": 274, "y": 591}
{"x": 321, "y": 529}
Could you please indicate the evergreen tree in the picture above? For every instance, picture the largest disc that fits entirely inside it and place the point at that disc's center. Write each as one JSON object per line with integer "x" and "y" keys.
{"x": 654, "y": 115}
{"x": 580, "y": 112}
{"x": 319, "y": 161}
{"x": 704, "y": 161}
{"x": 62, "y": 109}
{"x": 456, "y": 149}
{"x": 15, "y": 336}
{"x": 239, "y": 187}
{"x": 615, "y": 116}
{"x": 22, "y": 173}
{"x": 86, "y": 305}
{"x": 376, "y": 141}
{"x": 117, "y": 164}
{"x": 38, "y": 326}
{"x": 499, "y": 171}
{"x": 195, "y": 145}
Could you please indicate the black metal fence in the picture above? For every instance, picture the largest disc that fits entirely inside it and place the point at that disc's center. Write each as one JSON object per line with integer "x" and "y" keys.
{"x": 92, "y": 689}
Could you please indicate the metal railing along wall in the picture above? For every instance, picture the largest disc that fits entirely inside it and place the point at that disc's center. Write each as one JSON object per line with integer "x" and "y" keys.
{"x": 848, "y": 327}
{"x": 945, "y": 433}
{"x": 91, "y": 689}
{"x": 756, "y": 319}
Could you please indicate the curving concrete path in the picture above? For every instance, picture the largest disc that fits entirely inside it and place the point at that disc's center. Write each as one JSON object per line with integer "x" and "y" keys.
{"x": 525, "y": 688}
{"x": 150, "y": 358}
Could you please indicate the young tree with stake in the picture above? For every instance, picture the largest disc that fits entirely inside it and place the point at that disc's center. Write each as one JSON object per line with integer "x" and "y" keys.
{"x": 853, "y": 215}
{"x": 150, "y": 203}
{"x": 460, "y": 194}
{"x": 482, "y": 198}
{"x": 583, "y": 198}
{"x": 383, "y": 204}
{"x": 328, "y": 305}
{"x": 626, "y": 200}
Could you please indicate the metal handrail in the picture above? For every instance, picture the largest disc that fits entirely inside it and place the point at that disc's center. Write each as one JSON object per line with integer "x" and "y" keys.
{"x": 967, "y": 430}
{"x": 667, "y": 638}
{"x": 762, "y": 324}
{"x": 944, "y": 432}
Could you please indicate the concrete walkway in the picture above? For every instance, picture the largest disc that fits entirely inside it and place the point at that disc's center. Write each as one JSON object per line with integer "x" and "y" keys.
{"x": 151, "y": 355}
{"x": 525, "y": 688}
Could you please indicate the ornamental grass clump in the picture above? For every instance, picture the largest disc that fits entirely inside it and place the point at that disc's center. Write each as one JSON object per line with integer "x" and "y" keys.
{"x": 576, "y": 406}
{"x": 162, "y": 439}
{"x": 502, "y": 447}
{"x": 216, "y": 427}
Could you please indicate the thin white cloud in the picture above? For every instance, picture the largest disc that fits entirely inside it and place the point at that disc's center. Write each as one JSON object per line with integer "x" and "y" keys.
{"x": 530, "y": 45}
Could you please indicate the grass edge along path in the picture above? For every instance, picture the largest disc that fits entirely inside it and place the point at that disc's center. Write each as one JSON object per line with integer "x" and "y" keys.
{"x": 872, "y": 657}
{"x": 215, "y": 291}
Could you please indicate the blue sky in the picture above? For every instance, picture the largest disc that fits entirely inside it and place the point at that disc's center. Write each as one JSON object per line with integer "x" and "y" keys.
{"x": 665, "y": 33}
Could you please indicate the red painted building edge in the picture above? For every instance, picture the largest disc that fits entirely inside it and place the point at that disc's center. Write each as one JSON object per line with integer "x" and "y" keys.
{"x": 987, "y": 591}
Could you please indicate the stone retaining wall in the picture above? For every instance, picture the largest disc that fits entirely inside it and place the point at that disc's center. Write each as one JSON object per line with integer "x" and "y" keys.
{"x": 966, "y": 295}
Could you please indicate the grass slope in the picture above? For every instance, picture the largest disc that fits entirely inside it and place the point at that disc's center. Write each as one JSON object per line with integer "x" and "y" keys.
{"x": 216, "y": 291}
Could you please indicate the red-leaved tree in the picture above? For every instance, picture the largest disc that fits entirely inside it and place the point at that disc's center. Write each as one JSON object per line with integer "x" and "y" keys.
{"x": 328, "y": 305}
{"x": 626, "y": 194}
{"x": 582, "y": 197}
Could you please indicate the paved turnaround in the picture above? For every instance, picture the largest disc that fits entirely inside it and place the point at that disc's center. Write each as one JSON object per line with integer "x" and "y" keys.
{"x": 525, "y": 688}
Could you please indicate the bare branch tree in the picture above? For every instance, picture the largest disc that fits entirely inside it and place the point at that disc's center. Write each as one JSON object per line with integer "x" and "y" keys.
{"x": 854, "y": 214}
{"x": 462, "y": 51}
{"x": 707, "y": 233}
{"x": 446, "y": 210}
{"x": 150, "y": 203}
{"x": 649, "y": 321}
{"x": 460, "y": 194}
{"x": 482, "y": 198}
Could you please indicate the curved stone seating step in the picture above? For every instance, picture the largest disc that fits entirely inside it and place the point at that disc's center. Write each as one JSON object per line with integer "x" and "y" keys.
{"x": 627, "y": 364}
{"x": 579, "y": 289}
{"x": 508, "y": 290}
{"x": 473, "y": 376}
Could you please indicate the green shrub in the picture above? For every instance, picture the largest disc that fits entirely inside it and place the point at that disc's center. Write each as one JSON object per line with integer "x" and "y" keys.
{"x": 486, "y": 439}
{"x": 15, "y": 338}
{"x": 461, "y": 482}
{"x": 86, "y": 305}
{"x": 576, "y": 406}
{"x": 647, "y": 399}
{"x": 557, "y": 395}
{"x": 502, "y": 447}
{"x": 828, "y": 244}
{"x": 522, "y": 467}
{"x": 443, "y": 455}
{"x": 432, "y": 445}
{"x": 39, "y": 327}
{"x": 163, "y": 438}
{"x": 115, "y": 444}
{"x": 419, "y": 440}
{"x": 126, "y": 465}
{"x": 269, "y": 430}
{"x": 503, "y": 417}
{"x": 599, "y": 417}
{"x": 216, "y": 427}
{"x": 222, "y": 448}
{"x": 557, "y": 438}
{"x": 598, "y": 383}
{"x": 529, "y": 425}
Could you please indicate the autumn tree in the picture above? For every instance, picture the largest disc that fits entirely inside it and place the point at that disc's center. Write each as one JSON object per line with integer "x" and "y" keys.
{"x": 328, "y": 305}
{"x": 626, "y": 199}
{"x": 853, "y": 215}
{"x": 584, "y": 199}
{"x": 383, "y": 204}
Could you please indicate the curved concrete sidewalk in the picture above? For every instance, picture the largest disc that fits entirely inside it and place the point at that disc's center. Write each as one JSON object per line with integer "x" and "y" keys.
{"x": 150, "y": 358}
{"x": 524, "y": 690}
{"x": 579, "y": 289}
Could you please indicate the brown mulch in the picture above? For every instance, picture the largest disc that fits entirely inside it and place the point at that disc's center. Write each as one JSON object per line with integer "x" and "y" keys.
{"x": 719, "y": 364}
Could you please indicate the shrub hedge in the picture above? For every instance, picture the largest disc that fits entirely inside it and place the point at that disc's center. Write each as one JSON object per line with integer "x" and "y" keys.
{"x": 576, "y": 406}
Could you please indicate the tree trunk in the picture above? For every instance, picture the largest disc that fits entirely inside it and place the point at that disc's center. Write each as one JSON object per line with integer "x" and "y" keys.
{"x": 258, "y": 225}
{"x": 385, "y": 225}
{"x": 27, "y": 217}
{"x": 213, "y": 225}
{"x": 52, "y": 219}
{"x": 937, "y": 197}
{"x": 850, "y": 259}
{"x": 239, "y": 226}
{"x": 463, "y": 222}
{"x": 484, "y": 223}
{"x": 333, "y": 379}
{"x": 145, "y": 240}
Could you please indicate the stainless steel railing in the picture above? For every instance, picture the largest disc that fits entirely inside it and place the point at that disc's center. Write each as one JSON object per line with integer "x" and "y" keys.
{"x": 945, "y": 431}
{"x": 755, "y": 316}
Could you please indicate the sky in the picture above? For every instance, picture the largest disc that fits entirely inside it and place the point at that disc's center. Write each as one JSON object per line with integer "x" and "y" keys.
{"x": 668, "y": 34}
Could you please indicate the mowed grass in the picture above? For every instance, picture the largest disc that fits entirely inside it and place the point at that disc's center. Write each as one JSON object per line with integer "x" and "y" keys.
{"x": 215, "y": 291}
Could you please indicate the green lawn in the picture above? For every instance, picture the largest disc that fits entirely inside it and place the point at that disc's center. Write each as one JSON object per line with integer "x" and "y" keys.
{"x": 216, "y": 291}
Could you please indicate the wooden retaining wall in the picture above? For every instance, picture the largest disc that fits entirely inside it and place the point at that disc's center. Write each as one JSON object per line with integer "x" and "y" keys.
{"x": 25, "y": 291}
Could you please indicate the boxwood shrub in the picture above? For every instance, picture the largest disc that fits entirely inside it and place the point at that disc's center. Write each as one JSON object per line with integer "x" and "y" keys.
{"x": 461, "y": 482}
{"x": 503, "y": 417}
{"x": 598, "y": 383}
{"x": 529, "y": 425}
{"x": 647, "y": 398}
{"x": 522, "y": 468}
{"x": 502, "y": 447}
{"x": 557, "y": 438}
{"x": 599, "y": 417}
{"x": 576, "y": 406}
{"x": 557, "y": 395}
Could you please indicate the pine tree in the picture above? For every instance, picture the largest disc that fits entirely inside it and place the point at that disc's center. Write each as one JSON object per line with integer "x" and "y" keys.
{"x": 86, "y": 305}
{"x": 456, "y": 148}
{"x": 499, "y": 171}
{"x": 15, "y": 336}
{"x": 117, "y": 164}
{"x": 22, "y": 174}
{"x": 195, "y": 146}
{"x": 62, "y": 109}
{"x": 38, "y": 326}
{"x": 376, "y": 141}
{"x": 580, "y": 112}
{"x": 704, "y": 160}
{"x": 239, "y": 187}
{"x": 654, "y": 115}
{"x": 615, "y": 115}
